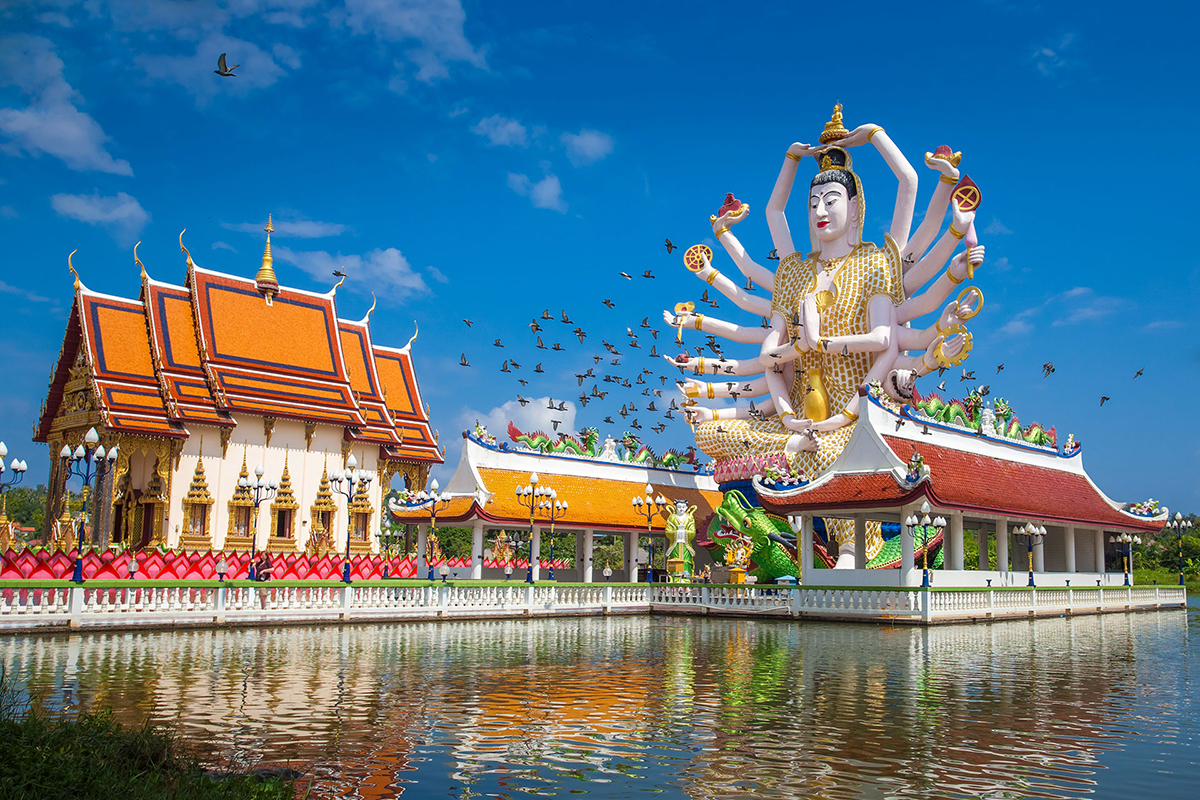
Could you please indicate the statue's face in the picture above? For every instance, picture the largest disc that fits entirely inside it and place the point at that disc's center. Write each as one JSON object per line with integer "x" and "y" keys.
{"x": 831, "y": 211}
{"x": 680, "y": 507}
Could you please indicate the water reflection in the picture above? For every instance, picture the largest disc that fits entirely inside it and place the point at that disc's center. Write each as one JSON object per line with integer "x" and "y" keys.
{"x": 688, "y": 707}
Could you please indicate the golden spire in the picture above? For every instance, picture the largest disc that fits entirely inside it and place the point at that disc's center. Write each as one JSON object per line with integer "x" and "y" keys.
{"x": 190, "y": 264}
{"x": 265, "y": 279}
{"x": 138, "y": 261}
{"x": 71, "y": 267}
{"x": 834, "y": 129}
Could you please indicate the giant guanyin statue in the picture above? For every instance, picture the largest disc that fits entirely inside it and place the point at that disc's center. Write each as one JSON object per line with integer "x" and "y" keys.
{"x": 837, "y": 318}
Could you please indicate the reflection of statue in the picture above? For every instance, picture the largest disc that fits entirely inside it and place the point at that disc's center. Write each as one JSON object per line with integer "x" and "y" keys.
{"x": 681, "y": 525}
{"x": 836, "y": 318}
{"x": 502, "y": 548}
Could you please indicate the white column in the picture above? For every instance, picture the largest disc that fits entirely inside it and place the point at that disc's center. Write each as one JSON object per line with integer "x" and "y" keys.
{"x": 586, "y": 562}
{"x": 1098, "y": 545}
{"x": 1002, "y": 545}
{"x": 906, "y": 547}
{"x": 981, "y": 539}
{"x": 1039, "y": 556}
{"x": 477, "y": 550}
{"x": 806, "y": 547}
{"x": 860, "y": 541}
{"x": 631, "y": 548}
{"x": 422, "y": 542}
{"x": 956, "y": 540}
{"x": 1069, "y": 546}
{"x": 535, "y": 552}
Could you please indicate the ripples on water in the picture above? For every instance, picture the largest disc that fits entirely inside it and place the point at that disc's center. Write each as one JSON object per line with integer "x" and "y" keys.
{"x": 702, "y": 708}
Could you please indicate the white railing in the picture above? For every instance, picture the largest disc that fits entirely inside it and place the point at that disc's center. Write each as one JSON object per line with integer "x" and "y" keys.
{"x": 146, "y": 605}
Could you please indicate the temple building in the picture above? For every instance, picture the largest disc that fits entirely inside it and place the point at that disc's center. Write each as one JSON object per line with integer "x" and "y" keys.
{"x": 200, "y": 384}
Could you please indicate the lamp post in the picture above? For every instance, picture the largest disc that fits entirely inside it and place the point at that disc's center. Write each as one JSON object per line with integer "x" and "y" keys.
{"x": 436, "y": 501}
{"x": 607, "y": 573}
{"x": 1030, "y": 534}
{"x": 87, "y": 462}
{"x": 18, "y": 470}
{"x": 1179, "y": 524}
{"x": 263, "y": 489}
{"x": 222, "y": 568}
{"x": 648, "y": 507}
{"x": 924, "y": 523}
{"x": 555, "y": 509}
{"x": 355, "y": 479}
{"x": 530, "y": 496}
{"x": 1127, "y": 542}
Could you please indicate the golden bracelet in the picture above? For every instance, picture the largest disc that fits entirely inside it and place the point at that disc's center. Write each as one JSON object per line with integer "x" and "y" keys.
{"x": 783, "y": 414}
{"x": 791, "y": 155}
{"x": 711, "y": 390}
{"x": 955, "y": 233}
{"x": 796, "y": 345}
{"x": 953, "y": 280}
{"x": 700, "y": 366}
{"x": 853, "y": 417}
{"x": 712, "y": 278}
{"x": 874, "y": 131}
{"x": 948, "y": 179}
{"x": 716, "y": 415}
{"x": 721, "y": 230}
{"x": 699, "y": 321}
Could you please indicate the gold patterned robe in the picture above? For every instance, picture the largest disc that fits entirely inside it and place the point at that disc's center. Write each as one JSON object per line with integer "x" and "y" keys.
{"x": 866, "y": 272}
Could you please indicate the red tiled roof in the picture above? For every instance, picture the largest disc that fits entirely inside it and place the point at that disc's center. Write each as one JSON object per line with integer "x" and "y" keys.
{"x": 172, "y": 323}
{"x": 402, "y": 398}
{"x": 969, "y": 482}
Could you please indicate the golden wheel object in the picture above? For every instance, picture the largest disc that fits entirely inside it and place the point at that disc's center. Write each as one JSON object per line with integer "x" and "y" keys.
{"x": 967, "y": 194}
{"x": 978, "y": 308}
{"x": 968, "y": 342}
{"x": 693, "y": 259}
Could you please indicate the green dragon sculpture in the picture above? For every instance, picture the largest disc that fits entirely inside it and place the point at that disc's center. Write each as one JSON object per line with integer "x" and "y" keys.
{"x": 957, "y": 412}
{"x": 636, "y": 452}
{"x": 1009, "y": 426}
{"x": 673, "y": 459}
{"x": 773, "y": 554}
{"x": 566, "y": 443}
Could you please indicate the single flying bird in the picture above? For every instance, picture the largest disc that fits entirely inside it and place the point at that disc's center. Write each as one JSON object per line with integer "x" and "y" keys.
{"x": 557, "y": 347}
{"x": 565, "y": 319}
{"x": 497, "y": 344}
{"x": 967, "y": 376}
{"x": 469, "y": 323}
{"x": 523, "y": 401}
{"x": 647, "y": 274}
{"x": 534, "y": 327}
{"x": 547, "y": 315}
{"x": 609, "y": 303}
{"x": 505, "y": 368}
{"x": 773, "y": 255}
{"x": 671, "y": 248}
{"x": 1139, "y": 373}
{"x": 556, "y": 423}
{"x": 999, "y": 368}
{"x": 463, "y": 361}
{"x": 1103, "y": 400}
{"x": 539, "y": 369}
{"x": 224, "y": 71}
{"x": 625, "y": 275}
{"x": 1047, "y": 368}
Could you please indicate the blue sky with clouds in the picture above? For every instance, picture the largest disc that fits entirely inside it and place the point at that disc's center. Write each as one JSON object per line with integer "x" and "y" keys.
{"x": 489, "y": 161}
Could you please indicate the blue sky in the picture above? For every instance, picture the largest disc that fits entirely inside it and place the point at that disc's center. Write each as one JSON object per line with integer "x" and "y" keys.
{"x": 490, "y": 161}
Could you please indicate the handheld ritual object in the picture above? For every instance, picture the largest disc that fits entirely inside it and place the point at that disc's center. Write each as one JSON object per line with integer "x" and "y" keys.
{"x": 680, "y": 310}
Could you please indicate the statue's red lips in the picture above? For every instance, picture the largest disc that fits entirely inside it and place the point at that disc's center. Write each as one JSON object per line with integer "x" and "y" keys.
{"x": 822, "y": 224}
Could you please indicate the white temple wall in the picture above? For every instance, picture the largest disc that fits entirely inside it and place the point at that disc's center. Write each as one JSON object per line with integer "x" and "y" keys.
{"x": 1085, "y": 549}
{"x": 1055, "y": 549}
{"x": 305, "y": 465}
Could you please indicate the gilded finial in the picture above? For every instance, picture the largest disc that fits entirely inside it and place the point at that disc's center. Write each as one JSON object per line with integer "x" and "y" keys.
{"x": 834, "y": 129}
{"x": 341, "y": 280}
{"x": 265, "y": 280}
{"x": 71, "y": 267}
{"x": 414, "y": 336}
{"x": 190, "y": 264}
{"x": 372, "y": 308}
{"x": 138, "y": 261}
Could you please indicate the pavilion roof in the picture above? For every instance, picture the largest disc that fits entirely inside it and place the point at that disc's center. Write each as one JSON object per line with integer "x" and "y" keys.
{"x": 968, "y": 472}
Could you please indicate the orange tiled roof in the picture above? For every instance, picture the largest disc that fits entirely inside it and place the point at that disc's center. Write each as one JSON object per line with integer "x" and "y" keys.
{"x": 172, "y": 325}
{"x": 402, "y": 398}
{"x": 355, "y": 339}
{"x": 591, "y": 502}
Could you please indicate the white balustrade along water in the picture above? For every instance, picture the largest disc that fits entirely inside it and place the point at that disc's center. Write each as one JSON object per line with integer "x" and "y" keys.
{"x": 142, "y": 605}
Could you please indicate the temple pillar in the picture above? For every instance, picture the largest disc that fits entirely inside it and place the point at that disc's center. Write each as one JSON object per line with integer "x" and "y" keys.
{"x": 422, "y": 543}
{"x": 1039, "y": 556}
{"x": 806, "y": 547}
{"x": 631, "y": 544}
{"x": 585, "y": 563}
{"x": 906, "y": 548}
{"x": 1098, "y": 548}
{"x": 981, "y": 541}
{"x": 860, "y": 541}
{"x": 956, "y": 541}
{"x": 1002, "y": 545}
{"x": 1069, "y": 547}
{"x": 535, "y": 552}
{"x": 477, "y": 550}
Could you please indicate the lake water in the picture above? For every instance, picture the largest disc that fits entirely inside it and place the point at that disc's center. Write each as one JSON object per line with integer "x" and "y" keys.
{"x": 677, "y": 707}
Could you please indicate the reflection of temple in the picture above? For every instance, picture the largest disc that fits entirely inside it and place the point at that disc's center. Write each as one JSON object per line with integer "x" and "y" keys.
{"x": 200, "y": 383}
{"x": 978, "y": 480}
{"x": 598, "y": 494}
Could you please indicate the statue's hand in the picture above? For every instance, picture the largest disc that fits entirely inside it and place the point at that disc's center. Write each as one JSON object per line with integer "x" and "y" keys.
{"x": 676, "y": 321}
{"x": 941, "y": 165}
{"x": 952, "y": 346}
{"x": 729, "y": 219}
{"x": 697, "y": 414}
{"x": 805, "y": 442}
{"x": 857, "y": 136}
{"x": 962, "y": 219}
{"x": 928, "y": 361}
{"x": 975, "y": 256}
{"x": 794, "y": 423}
{"x": 969, "y": 306}
{"x": 801, "y": 150}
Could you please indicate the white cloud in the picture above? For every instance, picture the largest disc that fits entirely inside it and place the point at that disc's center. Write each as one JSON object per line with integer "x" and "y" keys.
{"x": 434, "y": 27}
{"x": 121, "y": 214}
{"x": 50, "y": 124}
{"x": 502, "y": 131}
{"x": 288, "y": 56}
{"x": 1052, "y": 59}
{"x": 996, "y": 228}
{"x": 458, "y": 112}
{"x": 24, "y": 294}
{"x": 54, "y": 18}
{"x": 1163, "y": 325}
{"x": 587, "y": 146}
{"x": 1016, "y": 327}
{"x": 223, "y": 246}
{"x": 8, "y": 212}
{"x": 535, "y": 416}
{"x": 1001, "y": 264}
{"x": 385, "y": 272}
{"x": 296, "y": 228}
{"x": 256, "y": 68}
{"x": 546, "y": 193}
{"x": 436, "y": 274}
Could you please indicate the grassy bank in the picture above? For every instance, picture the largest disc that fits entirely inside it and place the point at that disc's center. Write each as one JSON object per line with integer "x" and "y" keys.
{"x": 1166, "y": 577}
{"x": 84, "y": 756}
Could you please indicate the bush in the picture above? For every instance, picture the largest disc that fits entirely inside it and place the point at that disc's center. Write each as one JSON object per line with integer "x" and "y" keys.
{"x": 91, "y": 755}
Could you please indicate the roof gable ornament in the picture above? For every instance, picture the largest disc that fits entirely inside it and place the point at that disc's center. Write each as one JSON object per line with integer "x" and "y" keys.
{"x": 265, "y": 280}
